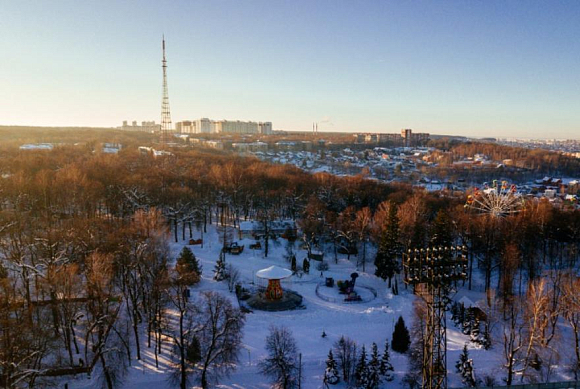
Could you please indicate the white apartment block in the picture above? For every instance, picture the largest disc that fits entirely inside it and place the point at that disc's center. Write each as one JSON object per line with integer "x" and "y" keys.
{"x": 145, "y": 126}
{"x": 200, "y": 126}
{"x": 207, "y": 126}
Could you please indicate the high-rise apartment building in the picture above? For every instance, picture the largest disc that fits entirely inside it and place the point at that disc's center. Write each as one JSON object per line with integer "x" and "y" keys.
{"x": 147, "y": 126}
{"x": 407, "y": 138}
{"x": 207, "y": 126}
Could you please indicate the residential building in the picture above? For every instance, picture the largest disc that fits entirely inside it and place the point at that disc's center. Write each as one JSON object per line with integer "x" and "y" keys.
{"x": 207, "y": 126}
{"x": 147, "y": 126}
{"x": 406, "y": 138}
{"x": 250, "y": 147}
{"x": 235, "y": 127}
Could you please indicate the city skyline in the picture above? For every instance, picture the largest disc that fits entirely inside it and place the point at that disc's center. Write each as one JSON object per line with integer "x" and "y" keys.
{"x": 462, "y": 68}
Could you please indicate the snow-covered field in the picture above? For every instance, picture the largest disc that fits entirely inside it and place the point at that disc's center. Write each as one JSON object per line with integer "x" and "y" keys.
{"x": 364, "y": 322}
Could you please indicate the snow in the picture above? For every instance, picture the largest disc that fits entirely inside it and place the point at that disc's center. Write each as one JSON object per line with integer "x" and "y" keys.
{"x": 274, "y": 273}
{"x": 37, "y": 146}
{"x": 368, "y": 321}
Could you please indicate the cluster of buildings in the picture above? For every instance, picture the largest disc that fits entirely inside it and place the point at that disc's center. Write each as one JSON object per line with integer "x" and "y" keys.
{"x": 376, "y": 163}
{"x": 405, "y": 139}
{"x": 145, "y": 126}
{"x": 256, "y": 146}
{"x": 570, "y": 147}
{"x": 207, "y": 126}
{"x": 552, "y": 188}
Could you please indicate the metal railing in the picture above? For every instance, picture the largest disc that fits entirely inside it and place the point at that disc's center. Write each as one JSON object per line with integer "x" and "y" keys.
{"x": 549, "y": 385}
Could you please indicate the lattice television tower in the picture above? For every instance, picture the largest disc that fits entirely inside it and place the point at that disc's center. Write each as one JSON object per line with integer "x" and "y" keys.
{"x": 165, "y": 113}
{"x": 434, "y": 269}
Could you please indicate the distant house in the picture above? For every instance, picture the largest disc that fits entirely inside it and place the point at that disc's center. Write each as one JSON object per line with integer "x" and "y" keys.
{"x": 573, "y": 187}
{"x": 550, "y": 193}
{"x": 474, "y": 308}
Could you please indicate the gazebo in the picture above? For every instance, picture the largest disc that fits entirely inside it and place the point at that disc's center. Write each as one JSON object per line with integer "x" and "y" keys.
{"x": 274, "y": 274}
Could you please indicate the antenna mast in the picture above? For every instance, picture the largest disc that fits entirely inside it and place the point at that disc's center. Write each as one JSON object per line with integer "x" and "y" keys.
{"x": 165, "y": 113}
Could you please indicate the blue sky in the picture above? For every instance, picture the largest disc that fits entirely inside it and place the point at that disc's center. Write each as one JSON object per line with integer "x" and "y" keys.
{"x": 478, "y": 68}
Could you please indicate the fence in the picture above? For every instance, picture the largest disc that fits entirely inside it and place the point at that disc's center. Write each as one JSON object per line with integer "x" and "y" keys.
{"x": 549, "y": 385}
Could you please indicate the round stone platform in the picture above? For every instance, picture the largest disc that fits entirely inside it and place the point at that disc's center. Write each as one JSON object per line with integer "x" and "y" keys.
{"x": 332, "y": 295}
{"x": 289, "y": 301}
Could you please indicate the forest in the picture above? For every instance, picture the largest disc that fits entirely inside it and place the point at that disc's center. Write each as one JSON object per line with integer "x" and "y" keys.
{"x": 84, "y": 259}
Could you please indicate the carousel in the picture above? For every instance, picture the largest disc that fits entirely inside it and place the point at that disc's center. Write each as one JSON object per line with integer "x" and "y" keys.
{"x": 274, "y": 274}
{"x": 273, "y": 298}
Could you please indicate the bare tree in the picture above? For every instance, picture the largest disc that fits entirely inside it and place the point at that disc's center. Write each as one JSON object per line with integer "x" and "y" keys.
{"x": 513, "y": 338}
{"x": 571, "y": 310}
{"x": 363, "y": 224}
{"x": 347, "y": 230}
{"x": 233, "y": 277}
{"x": 219, "y": 332}
{"x": 102, "y": 313}
{"x": 23, "y": 343}
{"x": 345, "y": 350}
{"x": 181, "y": 278}
{"x": 537, "y": 316}
{"x": 281, "y": 364}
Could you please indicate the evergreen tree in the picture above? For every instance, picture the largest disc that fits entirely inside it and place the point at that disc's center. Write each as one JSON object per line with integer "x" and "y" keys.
{"x": 220, "y": 268}
{"x": 386, "y": 368}
{"x": 455, "y": 312}
{"x": 331, "y": 376}
{"x": 461, "y": 317}
{"x": 306, "y": 265}
{"x": 186, "y": 269}
{"x": 484, "y": 339}
{"x": 464, "y": 366}
{"x": 361, "y": 373}
{"x": 293, "y": 263}
{"x": 386, "y": 260}
{"x": 374, "y": 368}
{"x": 468, "y": 321}
{"x": 187, "y": 259}
{"x": 474, "y": 334}
{"x": 401, "y": 338}
{"x": 441, "y": 231}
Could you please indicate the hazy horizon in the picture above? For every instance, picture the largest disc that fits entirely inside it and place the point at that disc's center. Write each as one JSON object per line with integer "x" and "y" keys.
{"x": 478, "y": 69}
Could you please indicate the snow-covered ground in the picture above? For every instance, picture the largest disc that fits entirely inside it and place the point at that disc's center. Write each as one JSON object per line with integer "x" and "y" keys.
{"x": 365, "y": 322}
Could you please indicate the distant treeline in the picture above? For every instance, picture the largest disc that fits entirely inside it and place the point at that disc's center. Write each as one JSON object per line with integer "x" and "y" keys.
{"x": 14, "y": 136}
{"x": 542, "y": 161}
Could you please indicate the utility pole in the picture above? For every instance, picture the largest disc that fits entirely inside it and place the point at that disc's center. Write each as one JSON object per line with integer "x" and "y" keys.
{"x": 299, "y": 371}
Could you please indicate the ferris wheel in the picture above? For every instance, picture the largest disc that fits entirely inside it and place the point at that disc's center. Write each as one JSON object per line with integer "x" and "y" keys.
{"x": 498, "y": 200}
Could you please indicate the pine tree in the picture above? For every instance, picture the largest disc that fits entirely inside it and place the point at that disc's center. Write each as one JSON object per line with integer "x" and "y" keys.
{"x": 401, "y": 338}
{"x": 187, "y": 259}
{"x": 374, "y": 369}
{"x": 187, "y": 268}
{"x": 474, "y": 334}
{"x": 386, "y": 260}
{"x": 484, "y": 339}
{"x": 293, "y": 263}
{"x": 306, "y": 266}
{"x": 386, "y": 368}
{"x": 220, "y": 268}
{"x": 361, "y": 373}
{"x": 468, "y": 321}
{"x": 455, "y": 312}
{"x": 331, "y": 376}
{"x": 461, "y": 317}
{"x": 441, "y": 232}
{"x": 464, "y": 366}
